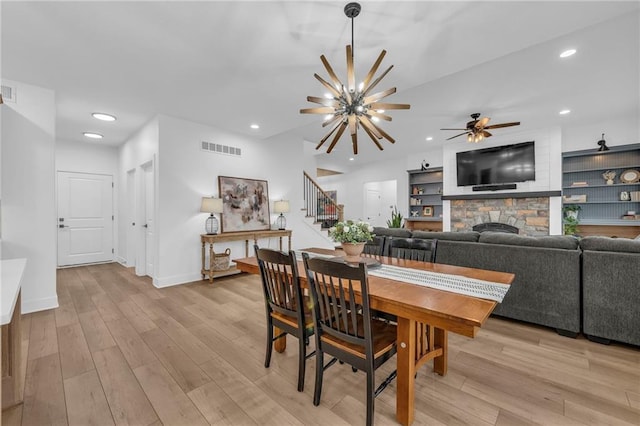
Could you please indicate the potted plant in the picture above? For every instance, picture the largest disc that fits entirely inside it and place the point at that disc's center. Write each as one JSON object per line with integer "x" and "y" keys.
{"x": 352, "y": 236}
{"x": 570, "y": 221}
{"x": 396, "y": 218}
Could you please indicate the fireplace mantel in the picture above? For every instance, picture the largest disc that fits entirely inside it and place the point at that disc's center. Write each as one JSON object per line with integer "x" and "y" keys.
{"x": 485, "y": 196}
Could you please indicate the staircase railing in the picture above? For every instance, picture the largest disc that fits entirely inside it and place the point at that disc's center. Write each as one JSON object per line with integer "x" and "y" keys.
{"x": 319, "y": 204}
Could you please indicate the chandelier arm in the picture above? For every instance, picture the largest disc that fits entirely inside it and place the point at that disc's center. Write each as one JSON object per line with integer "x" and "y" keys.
{"x": 372, "y": 136}
{"x": 328, "y": 135}
{"x": 319, "y": 110}
{"x": 368, "y": 125}
{"x": 326, "y": 84}
{"x": 354, "y": 143}
{"x": 377, "y": 96}
{"x": 332, "y": 74}
{"x": 331, "y": 120}
{"x": 323, "y": 101}
{"x": 383, "y": 105}
{"x": 376, "y": 81}
{"x": 382, "y": 132}
{"x": 352, "y": 121}
{"x": 351, "y": 78}
{"x": 373, "y": 69}
{"x": 374, "y": 113}
{"x": 342, "y": 126}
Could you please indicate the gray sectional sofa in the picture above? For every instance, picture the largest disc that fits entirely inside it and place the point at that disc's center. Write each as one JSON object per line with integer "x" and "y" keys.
{"x": 590, "y": 285}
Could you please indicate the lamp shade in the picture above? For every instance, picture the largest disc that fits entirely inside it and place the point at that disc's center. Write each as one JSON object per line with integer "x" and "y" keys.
{"x": 211, "y": 205}
{"x": 281, "y": 206}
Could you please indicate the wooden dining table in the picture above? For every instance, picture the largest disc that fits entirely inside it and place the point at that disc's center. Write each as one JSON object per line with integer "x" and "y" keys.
{"x": 424, "y": 314}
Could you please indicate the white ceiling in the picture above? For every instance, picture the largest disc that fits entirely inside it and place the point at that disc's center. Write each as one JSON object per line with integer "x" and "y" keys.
{"x": 232, "y": 63}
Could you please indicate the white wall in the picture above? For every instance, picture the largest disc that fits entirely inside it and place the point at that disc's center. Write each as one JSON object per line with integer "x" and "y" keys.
{"x": 28, "y": 188}
{"x": 623, "y": 130}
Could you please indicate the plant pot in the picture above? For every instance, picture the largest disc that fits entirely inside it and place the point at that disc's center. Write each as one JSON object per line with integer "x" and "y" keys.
{"x": 572, "y": 214}
{"x": 352, "y": 251}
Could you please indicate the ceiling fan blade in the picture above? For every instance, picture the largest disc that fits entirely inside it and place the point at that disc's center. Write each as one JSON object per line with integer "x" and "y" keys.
{"x": 481, "y": 123}
{"x": 326, "y": 84}
{"x": 374, "y": 113}
{"x": 382, "y": 105}
{"x": 324, "y": 139}
{"x": 497, "y": 126}
{"x": 351, "y": 77}
{"x": 378, "y": 129}
{"x": 457, "y": 135}
{"x": 373, "y": 70}
{"x": 354, "y": 143}
{"x": 377, "y": 96}
{"x": 373, "y": 137}
{"x": 332, "y": 74}
{"x": 319, "y": 110}
{"x": 343, "y": 126}
{"x": 486, "y": 134}
{"x": 454, "y": 129}
{"x": 323, "y": 101}
{"x": 376, "y": 81}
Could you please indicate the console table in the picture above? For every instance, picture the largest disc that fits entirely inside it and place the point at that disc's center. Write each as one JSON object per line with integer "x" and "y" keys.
{"x": 11, "y": 272}
{"x": 211, "y": 239}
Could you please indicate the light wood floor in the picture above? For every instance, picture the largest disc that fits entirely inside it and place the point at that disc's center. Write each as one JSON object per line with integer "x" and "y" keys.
{"x": 120, "y": 351}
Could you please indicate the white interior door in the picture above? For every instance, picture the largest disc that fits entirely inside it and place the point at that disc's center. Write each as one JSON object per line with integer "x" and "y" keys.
{"x": 85, "y": 218}
{"x": 372, "y": 207}
{"x": 149, "y": 218}
{"x": 131, "y": 217}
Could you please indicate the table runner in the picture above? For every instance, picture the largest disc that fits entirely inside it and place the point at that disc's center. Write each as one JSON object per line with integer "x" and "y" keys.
{"x": 447, "y": 282}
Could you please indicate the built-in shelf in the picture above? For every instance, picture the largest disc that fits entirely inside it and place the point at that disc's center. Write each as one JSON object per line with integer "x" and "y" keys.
{"x": 498, "y": 195}
{"x": 425, "y": 191}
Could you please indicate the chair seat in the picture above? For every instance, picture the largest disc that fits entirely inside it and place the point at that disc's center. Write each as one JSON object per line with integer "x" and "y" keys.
{"x": 384, "y": 338}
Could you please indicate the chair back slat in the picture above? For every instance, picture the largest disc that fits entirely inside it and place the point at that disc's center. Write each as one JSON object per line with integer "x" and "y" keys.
{"x": 413, "y": 249}
{"x": 280, "y": 281}
{"x": 341, "y": 297}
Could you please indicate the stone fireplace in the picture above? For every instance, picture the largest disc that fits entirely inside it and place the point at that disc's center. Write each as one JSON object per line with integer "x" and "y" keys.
{"x": 529, "y": 214}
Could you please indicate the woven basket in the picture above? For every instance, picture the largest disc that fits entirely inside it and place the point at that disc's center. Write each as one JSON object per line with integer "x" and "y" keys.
{"x": 221, "y": 261}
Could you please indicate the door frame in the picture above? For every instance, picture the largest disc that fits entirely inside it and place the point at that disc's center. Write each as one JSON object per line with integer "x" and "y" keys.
{"x": 141, "y": 246}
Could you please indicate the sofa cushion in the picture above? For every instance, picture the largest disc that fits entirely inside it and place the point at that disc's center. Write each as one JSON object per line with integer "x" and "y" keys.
{"x": 566, "y": 242}
{"x": 624, "y": 245}
{"x": 450, "y": 236}
{"x": 392, "y": 232}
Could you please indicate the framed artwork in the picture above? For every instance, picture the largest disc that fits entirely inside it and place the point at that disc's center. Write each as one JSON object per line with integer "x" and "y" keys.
{"x": 326, "y": 208}
{"x": 427, "y": 211}
{"x": 245, "y": 204}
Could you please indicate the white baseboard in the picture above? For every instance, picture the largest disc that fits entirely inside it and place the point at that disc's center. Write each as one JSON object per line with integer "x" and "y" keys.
{"x": 121, "y": 260}
{"x": 176, "y": 280}
{"x": 29, "y": 306}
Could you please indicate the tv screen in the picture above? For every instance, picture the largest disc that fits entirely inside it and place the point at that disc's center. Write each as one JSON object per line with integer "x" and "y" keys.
{"x": 501, "y": 164}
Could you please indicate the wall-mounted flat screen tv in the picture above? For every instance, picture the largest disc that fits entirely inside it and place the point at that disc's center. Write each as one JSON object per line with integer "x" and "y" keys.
{"x": 497, "y": 165}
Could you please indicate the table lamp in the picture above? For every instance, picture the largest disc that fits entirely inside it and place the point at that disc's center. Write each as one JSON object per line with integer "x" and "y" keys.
{"x": 281, "y": 206}
{"x": 211, "y": 205}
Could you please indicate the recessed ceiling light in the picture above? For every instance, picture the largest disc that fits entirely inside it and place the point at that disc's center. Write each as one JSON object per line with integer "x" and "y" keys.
{"x": 429, "y": 138}
{"x": 567, "y": 53}
{"x": 93, "y": 135}
{"x": 351, "y": 158}
{"x": 255, "y": 126}
{"x": 104, "y": 117}
{"x": 564, "y": 112}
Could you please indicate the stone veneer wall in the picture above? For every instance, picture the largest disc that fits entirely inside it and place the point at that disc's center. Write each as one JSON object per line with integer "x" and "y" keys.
{"x": 530, "y": 215}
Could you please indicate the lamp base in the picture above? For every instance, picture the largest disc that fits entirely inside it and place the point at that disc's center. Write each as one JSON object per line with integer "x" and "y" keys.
{"x": 281, "y": 222}
{"x": 211, "y": 225}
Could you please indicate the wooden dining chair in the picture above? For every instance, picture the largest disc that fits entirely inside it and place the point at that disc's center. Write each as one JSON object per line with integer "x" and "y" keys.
{"x": 413, "y": 249}
{"x": 286, "y": 307}
{"x": 344, "y": 326}
{"x": 374, "y": 247}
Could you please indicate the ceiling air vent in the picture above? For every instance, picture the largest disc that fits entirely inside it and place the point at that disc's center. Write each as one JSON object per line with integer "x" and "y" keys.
{"x": 8, "y": 93}
{"x": 217, "y": 148}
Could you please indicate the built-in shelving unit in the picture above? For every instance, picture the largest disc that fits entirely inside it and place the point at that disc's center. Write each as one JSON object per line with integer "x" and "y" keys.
{"x": 425, "y": 199}
{"x": 603, "y": 204}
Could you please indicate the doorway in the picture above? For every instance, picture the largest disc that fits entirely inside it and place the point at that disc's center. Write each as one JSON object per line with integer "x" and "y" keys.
{"x": 85, "y": 218}
{"x": 131, "y": 218}
{"x": 146, "y": 201}
{"x": 379, "y": 199}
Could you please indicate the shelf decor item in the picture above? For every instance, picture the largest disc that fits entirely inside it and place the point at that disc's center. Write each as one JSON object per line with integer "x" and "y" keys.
{"x": 609, "y": 175}
{"x": 427, "y": 211}
{"x": 630, "y": 176}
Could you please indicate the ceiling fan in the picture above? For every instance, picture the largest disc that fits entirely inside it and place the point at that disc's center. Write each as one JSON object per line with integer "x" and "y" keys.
{"x": 476, "y": 129}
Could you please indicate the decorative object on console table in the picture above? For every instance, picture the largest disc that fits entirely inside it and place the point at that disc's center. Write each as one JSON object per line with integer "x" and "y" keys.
{"x": 211, "y": 205}
{"x": 281, "y": 206}
{"x": 245, "y": 204}
{"x": 221, "y": 261}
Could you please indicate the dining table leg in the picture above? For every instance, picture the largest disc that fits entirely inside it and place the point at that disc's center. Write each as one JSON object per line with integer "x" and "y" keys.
{"x": 440, "y": 341}
{"x": 279, "y": 344}
{"x": 406, "y": 357}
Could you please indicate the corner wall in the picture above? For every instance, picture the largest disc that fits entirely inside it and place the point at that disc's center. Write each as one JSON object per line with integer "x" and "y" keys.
{"x": 28, "y": 188}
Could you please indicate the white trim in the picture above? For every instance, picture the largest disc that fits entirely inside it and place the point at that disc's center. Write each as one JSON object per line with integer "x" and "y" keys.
{"x": 121, "y": 260}
{"x": 29, "y": 306}
{"x": 176, "y": 280}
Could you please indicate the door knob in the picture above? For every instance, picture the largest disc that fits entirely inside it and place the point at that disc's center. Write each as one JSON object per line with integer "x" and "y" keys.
{"x": 145, "y": 225}
{"x": 62, "y": 226}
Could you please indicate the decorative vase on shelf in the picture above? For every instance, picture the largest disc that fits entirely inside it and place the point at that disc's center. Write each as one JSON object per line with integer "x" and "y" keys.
{"x": 352, "y": 251}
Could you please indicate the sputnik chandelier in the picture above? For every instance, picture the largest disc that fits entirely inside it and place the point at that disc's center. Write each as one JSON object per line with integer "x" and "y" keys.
{"x": 353, "y": 106}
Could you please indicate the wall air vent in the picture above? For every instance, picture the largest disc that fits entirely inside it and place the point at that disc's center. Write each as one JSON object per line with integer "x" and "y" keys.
{"x": 8, "y": 94}
{"x": 217, "y": 148}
